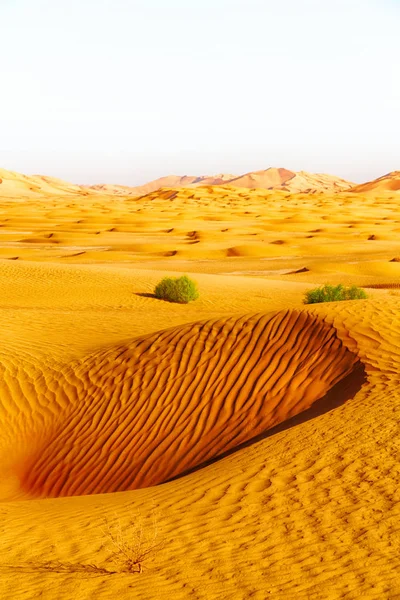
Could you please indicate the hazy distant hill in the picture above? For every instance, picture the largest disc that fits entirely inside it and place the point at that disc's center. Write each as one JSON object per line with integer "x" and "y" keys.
{"x": 170, "y": 181}
{"x": 291, "y": 181}
{"x": 267, "y": 179}
{"x": 16, "y": 185}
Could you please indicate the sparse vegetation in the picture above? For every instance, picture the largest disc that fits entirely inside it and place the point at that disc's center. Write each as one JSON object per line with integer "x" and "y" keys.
{"x": 334, "y": 293}
{"x": 130, "y": 549}
{"x": 177, "y": 289}
{"x": 132, "y": 546}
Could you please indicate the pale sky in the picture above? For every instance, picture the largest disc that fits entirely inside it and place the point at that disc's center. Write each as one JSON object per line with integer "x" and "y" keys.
{"x": 125, "y": 91}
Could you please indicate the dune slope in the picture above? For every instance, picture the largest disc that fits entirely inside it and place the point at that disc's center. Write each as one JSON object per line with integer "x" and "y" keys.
{"x": 262, "y": 496}
{"x": 136, "y": 415}
{"x": 309, "y": 511}
{"x": 386, "y": 183}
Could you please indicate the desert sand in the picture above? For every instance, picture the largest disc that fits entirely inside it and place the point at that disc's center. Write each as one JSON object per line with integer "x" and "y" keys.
{"x": 247, "y": 441}
{"x": 22, "y": 185}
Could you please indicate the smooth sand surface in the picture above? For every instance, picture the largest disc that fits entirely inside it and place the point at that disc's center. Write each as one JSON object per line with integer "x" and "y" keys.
{"x": 274, "y": 426}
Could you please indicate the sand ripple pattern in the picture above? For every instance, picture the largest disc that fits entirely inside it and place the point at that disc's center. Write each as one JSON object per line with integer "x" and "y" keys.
{"x": 136, "y": 415}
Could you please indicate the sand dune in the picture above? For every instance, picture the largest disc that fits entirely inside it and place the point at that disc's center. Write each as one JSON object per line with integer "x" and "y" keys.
{"x": 273, "y": 425}
{"x": 267, "y": 179}
{"x": 313, "y": 499}
{"x": 17, "y": 185}
{"x": 139, "y": 414}
{"x": 337, "y": 237}
{"x": 387, "y": 183}
{"x": 290, "y": 181}
{"x": 271, "y": 178}
{"x": 277, "y": 179}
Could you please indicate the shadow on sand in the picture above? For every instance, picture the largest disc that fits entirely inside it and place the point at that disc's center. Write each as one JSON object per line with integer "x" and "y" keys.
{"x": 145, "y": 295}
{"x": 338, "y": 395}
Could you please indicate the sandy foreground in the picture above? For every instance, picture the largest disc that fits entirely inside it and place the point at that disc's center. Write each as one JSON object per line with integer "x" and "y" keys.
{"x": 247, "y": 445}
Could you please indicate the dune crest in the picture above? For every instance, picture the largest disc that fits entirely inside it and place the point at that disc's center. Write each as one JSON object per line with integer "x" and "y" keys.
{"x": 136, "y": 415}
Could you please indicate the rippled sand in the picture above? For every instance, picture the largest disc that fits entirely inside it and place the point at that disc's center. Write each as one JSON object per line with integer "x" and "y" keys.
{"x": 274, "y": 426}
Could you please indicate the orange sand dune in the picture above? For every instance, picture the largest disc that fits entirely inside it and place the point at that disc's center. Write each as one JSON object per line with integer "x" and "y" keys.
{"x": 387, "y": 183}
{"x": 97, "y": 395}
{"x": 309, "y": 510}
{"x": 290, "y": 181}
{"x": 316, "y": 238}
{"x": 136, "y": 415}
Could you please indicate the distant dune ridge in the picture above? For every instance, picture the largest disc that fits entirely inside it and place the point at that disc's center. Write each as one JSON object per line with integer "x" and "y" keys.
{"x": 17, "y": 185}
{"x": 290, "y": 181}
{"x": 265, "y": 179}
{"x": 387, "y": 183}
{"x": 136, "y": 415}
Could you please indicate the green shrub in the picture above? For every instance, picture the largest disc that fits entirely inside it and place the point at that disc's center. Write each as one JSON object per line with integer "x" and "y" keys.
{"x": 177, "y": 289}
{"x": 334, "y": 293}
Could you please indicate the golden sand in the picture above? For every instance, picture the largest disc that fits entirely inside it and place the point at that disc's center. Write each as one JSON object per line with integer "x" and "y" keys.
{"x": 272, "y": 425}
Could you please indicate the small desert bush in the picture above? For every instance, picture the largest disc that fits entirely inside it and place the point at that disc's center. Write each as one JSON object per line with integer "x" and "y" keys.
{"x": 132, "y": 545}
{"x": 334, "y": 293}
{"x": 177, "y": 289}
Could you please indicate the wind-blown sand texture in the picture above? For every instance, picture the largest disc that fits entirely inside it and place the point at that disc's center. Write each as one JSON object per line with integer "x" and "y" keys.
{"x": 138, "y": 414}
{"x": 274, "y": 426}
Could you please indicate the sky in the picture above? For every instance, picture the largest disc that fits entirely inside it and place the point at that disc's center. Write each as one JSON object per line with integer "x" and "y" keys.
{"x": 125, "y": 91}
